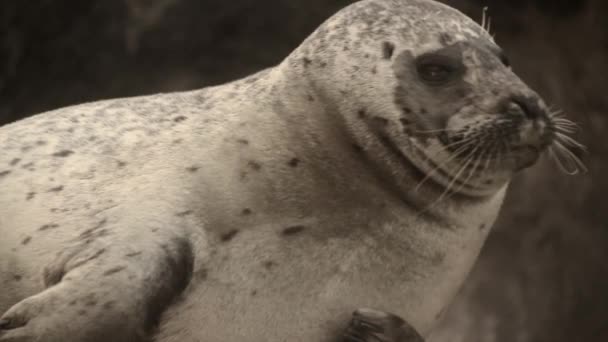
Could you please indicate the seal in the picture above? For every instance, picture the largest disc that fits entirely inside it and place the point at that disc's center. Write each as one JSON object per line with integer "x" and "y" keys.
{"x": 365, "y": 170}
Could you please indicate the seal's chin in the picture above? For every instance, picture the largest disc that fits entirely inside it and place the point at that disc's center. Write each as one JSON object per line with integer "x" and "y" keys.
{"x": 525, "y": 157}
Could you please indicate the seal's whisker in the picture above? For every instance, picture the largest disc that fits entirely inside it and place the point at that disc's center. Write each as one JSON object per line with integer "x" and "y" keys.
{"x": 567, "y": 130}
{"x": 561, "y": 163}
{"x": 445, "y": 130}
{"x": 456, "y": 144}
{"x": 461, "y": 169}
{"x": 488, "y": 159}
{"x": 477, "y": 159}
{"x": 486, "y": 20}
{"x": 569, "y": 141}
{"x": 560, "y": 118}
{"x": 443, "y": 163}
{"x": 456, "y": 177}
{"x": 565, "y": 122}
{"x": 489, "y": 29}
{"x": 497, "y": 152}
{"x": 570, "y": 155}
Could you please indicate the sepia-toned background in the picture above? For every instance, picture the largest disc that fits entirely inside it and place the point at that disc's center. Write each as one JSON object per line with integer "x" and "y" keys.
{"x": 543, "y": 275}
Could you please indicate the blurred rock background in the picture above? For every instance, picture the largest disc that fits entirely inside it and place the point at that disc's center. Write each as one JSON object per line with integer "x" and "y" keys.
{"x": 543, "y": 275}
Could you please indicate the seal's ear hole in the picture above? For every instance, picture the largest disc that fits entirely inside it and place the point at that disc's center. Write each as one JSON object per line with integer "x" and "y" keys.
{"x": 388, "y": 49}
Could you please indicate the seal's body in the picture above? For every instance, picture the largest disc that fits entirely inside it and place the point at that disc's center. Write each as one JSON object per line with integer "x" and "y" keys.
{"x": 354, "y": 174}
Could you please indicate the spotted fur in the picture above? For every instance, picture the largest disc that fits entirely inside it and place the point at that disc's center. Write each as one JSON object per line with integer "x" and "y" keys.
{"x": 265, "y": 209}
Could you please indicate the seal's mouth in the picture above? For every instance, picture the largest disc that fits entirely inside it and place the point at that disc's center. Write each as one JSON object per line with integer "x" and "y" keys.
{"x": 512, "y": 144}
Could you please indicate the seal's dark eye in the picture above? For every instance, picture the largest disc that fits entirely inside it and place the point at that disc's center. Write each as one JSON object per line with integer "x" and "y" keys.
{"x": 435, "y": 73}
{"x": 437, "y": 69}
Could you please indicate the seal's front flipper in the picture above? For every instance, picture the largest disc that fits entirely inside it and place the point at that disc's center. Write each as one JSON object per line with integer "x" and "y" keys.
{"x": 368, "y": 325}
{"x": 112, "y": 285}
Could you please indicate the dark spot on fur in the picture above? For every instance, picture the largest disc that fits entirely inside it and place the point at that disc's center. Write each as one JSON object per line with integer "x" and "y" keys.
{"x": 311, "y": 98}
{"x": 438, "y": 258}
{"x": 108, "y": 305}
{"x": 180, "y": 118}
{"x": 48, "y": 226}
{"x": 184, "y": 213}
{"x": 121, "y": 163}
{"x": 254, "y": 293}
{"x": 388, "y": 49}
{"x": 26, "y": 240}
{"x": 28, "y": 166}
{"x": 178, "y": 141}
{"x": 243, "y": 141}
{"x": 294, "y": 162}
{"x": 63, "y": 153}
{"x": 293, "y": 230}
{"x": 445, "y": 39}
{"x": 4, "y": 173}
{"x": 380, "y": 121}
{"x": 90, "y": 302}
{"x": 229, "y": 235}
{"x": 407, "y": 110}
{"x": 114, "y": 270}
{"x": 362, "y": 114}
{"x": 56, "y": 189}
{"x": 254, "y": 165}
{"x": 192, "y": 169}
{"x": 17, "y": 277}
{"x": 246, "y": 212}
{"x": 358, "y": 148}
{"x": 482, "y": 226}
{"x": 374, "y": 70}
{"x": 423, "y": 111}
{"x": 90, "y": 233}
{"x": 306, "y": 61}
{"x": 15, "y": 161}
{"x": 405, "y": 121}
{"x": 202, "y": 274}
{"x": 269, "y": 264}
{"x": 40, "y": 143}
{"x": 323, "y": 64}
{"x": 82, "y": 312}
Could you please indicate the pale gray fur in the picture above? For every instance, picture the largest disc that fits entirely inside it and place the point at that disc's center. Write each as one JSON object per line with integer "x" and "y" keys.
{"x": 281, "y": 202}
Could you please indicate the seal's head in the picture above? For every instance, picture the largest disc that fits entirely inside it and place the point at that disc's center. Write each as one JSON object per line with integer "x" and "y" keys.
{"x": 431, "y": 83}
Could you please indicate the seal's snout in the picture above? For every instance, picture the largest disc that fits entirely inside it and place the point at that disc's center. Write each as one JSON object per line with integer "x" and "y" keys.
{"x": 533, "y": 119}
{"x": 529, "y": 107}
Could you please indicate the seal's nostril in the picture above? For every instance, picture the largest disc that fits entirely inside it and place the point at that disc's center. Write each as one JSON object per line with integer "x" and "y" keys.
{"x": 529, "y": 106}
